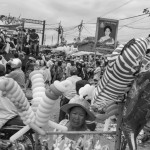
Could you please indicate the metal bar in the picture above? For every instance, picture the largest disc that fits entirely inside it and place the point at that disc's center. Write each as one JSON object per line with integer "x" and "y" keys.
{"x": 96, "y": 39}
{"x": 36, "y": 137}
{"x": 32, "y": 21}
{"x": 118, "y": 129}
{"x": 82, "y": 132}
{"x": 43, "y": 32}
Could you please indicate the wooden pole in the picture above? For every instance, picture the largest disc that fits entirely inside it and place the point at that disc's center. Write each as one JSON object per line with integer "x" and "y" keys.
{"x": 58, "y": 32}
{"x": 52, "y": 40}
{"x": 96, "y": 39}
{"x": 83, "y": 132}
{"x": 119, "y": 124}
{"x": 43, "y": 32}
{"x": 80, "y": 29}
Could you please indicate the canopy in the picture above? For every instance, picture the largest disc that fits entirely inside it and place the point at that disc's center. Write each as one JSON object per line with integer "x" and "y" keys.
{"x": 11, "y": 27}
{"x": 81, "y": 53}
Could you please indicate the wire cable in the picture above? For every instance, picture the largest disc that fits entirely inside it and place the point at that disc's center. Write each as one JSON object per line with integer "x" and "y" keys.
{"x": 117, "y": 8}
{"x": 87, "y": 30}
{"x": 137, "y": 28}
{"x": 51, "y": 24}
{"x": 132, "y": 22}
{"x": 132, "y": 17}
{"x": 124, "y": 18}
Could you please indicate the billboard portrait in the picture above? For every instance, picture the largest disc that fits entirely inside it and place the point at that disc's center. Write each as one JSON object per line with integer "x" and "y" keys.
{"x": 106, "y": 33}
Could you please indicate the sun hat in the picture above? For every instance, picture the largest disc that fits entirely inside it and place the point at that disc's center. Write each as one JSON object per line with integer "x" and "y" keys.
{"x": 75, "y": 102}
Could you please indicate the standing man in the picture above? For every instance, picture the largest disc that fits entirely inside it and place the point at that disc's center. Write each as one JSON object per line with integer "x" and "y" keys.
{"x": 20, "y": 39}
{"x": 34, "y": 42}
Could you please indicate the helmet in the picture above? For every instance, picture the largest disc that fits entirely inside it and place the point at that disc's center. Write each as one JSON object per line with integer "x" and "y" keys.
{"x": 15, "y": 63}
{"x": 32, "y": 58}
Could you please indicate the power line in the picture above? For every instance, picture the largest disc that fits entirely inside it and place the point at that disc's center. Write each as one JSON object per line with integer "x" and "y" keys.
{"x": 131, "y": 22}
{"x": 87, "y": 30}
{"x": 137, "y": 28}
{"x": 71, "y": 29}
{"x": 132, "y": 17}
{"x": 134, "y": 21}
{"x": 71, "y": 33}
{"x": 117, "y": 8}
{"x": 124, "y": 18}
{"x": 52, "y": 24}
{"x": 122, "y": 35}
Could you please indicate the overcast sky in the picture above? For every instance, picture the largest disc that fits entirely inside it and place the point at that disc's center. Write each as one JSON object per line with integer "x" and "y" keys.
{"x": 71, "y": 12}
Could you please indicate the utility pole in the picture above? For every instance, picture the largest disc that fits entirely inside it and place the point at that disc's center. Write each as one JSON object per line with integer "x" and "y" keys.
{"x": 52, "y": 40}
{"x": 59, "y": 32}
{"x": 80, "y": 27}
{"x": 43, "y": 32}
{"x": 62, "y": 31}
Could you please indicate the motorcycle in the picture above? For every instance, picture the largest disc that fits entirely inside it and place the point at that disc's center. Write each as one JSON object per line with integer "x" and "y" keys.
{"x": 25, "y": 142}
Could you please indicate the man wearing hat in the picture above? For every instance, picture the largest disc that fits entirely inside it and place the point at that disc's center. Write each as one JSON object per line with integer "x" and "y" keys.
{"x": 17, "y": 74}
{"x": 20, "y": 39}
{"x": 34, "y": 42}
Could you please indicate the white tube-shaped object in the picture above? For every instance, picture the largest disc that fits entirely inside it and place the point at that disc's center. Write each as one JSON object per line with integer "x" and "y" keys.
{"x": 16, "y": 95}
{"x": 3, "y": 84}
{"x": 46, "y": 103}
{"x": 57, "y": 126}
{"x": 44, "y": 109}
{"x": 37, "y": 129}
{"x": 107, "y": 124}
{"x": 19, "y": 133}
{"x": 38, "y": 89}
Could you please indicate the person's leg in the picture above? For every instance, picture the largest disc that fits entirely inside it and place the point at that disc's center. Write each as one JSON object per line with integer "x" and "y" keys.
{"x": 28, "y": 84}
{"x": 30, "y": 48}
{"x": 35, "y": 49}
{"x": 17, "y": 46}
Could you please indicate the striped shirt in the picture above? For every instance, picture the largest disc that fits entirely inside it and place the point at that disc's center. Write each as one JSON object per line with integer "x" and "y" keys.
{"x": 120, "y": 73}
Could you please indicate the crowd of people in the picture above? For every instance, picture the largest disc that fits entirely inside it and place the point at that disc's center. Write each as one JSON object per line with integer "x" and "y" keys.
{"x": 20, "y": 55}
{"x": 19, "y": 60}
{"x": 22, "y": 40}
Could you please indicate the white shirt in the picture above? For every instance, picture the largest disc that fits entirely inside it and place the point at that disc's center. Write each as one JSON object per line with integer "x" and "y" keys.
{"x": 97, "y": 73}
{"x": 49, "y": 64}
{"x": 72, "y": 92}
{"x": 2, "y": 23}
{"x": 7, "y": 110}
